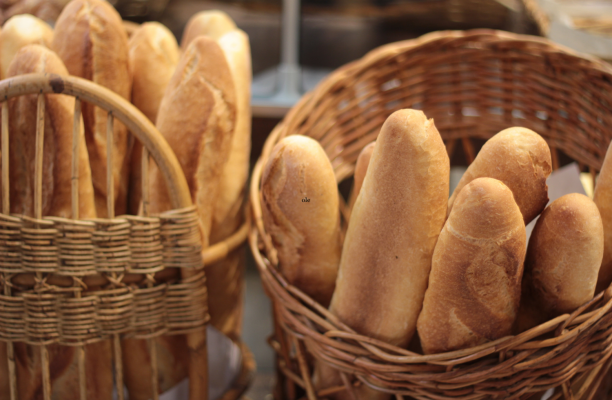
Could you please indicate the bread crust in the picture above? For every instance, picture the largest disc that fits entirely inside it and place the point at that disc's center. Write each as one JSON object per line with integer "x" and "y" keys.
{"x": 211, "y": 23}
{"x": 393, "y": 229}
{"x": 563, "y": 259}
{"x": 19, "y": 31}
{"x": 227, "y": 215}
{"x": 154, "y": 55}
{"x": 225, "y": 279}
{"x": 92, "y": 42}
{"x": 300, "y": 210}
{"x": 197, "y": 117}
{"x": 475, "y": 281}
{"x": 57, "y": 159}
{"x": 521, "y": 159}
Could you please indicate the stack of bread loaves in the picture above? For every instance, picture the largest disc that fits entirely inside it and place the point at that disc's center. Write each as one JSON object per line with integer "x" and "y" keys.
{"x": 458, "y": 271}
{"x": 198, "y": 97}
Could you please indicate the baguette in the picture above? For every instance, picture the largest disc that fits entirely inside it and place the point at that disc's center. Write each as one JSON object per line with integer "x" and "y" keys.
{"x": 154, "y": 54}
{"x": 393, "y": 229}
{"x": 563, "y": 260}
{"x": 20, "y": 31}
{"x": 301, "y": 211}
{"x": 56, "y": 201}
{"x": 91, "y": 40}
{"x": 521, "y": 159}
{"x": 211, "y": 23}
{"x": 197, "y": 117}
{"x": 391, "y": 236}
{"x": 603, "y": 199}
{"x": 224, "y": 280}
{"x": 475, "y": 282}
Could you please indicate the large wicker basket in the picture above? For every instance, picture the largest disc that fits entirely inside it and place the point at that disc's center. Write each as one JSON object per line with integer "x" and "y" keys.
{"x": 473, "y": 84}
{"x": 150, "y": 269}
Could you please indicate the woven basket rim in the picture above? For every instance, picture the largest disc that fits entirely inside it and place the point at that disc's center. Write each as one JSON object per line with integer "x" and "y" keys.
{"x": 318, "y": 328}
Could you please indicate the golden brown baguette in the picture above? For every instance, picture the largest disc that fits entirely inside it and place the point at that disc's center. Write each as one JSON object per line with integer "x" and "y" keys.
{"x": 393, "y": 229}
{"x": 300, "y": 210}
{"x": 20, "y": 31}
{"x": 228, "y": 210}
{"x": 563, "y": 260}
{"x": 391, "y": 236}
{"x": 57, "y": 162}
{"x": 211, "y": 23}
{"x": 154, "y": 54}
{"x": 224, "y": 280}
{"x": 202, "y": 89}
{"x": 603, "y": 199}
{"x": 90, "y": 39}
{"x": 197, "y": 117}
{"x": 361, "y": 167}
{"x": 56, "y": 201}
{"x": 521, "y": 159}
{"x": 475, "y": 282}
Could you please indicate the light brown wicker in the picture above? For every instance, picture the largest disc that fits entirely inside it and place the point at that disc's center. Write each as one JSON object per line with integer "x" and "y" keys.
{"x": 473, "y": 84}
{"x": 150, "y": 268}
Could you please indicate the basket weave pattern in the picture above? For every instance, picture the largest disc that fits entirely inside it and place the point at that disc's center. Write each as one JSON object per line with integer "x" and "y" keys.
{"x": 473, "y": 84}
{"x": 77, "y": 248}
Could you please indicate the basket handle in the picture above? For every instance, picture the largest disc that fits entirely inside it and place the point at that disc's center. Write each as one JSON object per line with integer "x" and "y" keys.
{"x": 122, "y": 110}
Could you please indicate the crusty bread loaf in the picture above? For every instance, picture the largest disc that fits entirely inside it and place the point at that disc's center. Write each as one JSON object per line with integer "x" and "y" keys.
{"x": 211, "y": 23}
{"x": 603, "y": 199}
{"x": 224, "y": 280}
{"x": 475, "y": 282}
{"x": 521, "y": 159}
{"x": 91, "y": 40}
{"x": 57, "y": 162}
{"x": 300, "y": 210}
{"x": 197, "y": 118}
{"x": 228, "y": 210}
{"x": 56, "y": 201}
{"x": 395, "y": 223}
{"x": 391, "y": 236}
{"x": 361, "y": 167}
{"x": 20, "y": 31}
{"x": 563, "y": 260}
{"x": 154, "y": 54}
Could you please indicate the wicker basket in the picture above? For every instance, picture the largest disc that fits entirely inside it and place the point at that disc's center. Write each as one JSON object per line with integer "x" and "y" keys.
{"x": 150, "y": 268}
{"x": 473, "y": 84}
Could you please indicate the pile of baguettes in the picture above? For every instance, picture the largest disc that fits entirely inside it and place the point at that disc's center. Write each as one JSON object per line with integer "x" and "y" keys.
{"x": 197, "y": 95}
{"x": 456, "y": 271}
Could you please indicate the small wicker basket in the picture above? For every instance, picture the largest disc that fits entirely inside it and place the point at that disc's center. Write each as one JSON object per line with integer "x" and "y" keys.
{"x": 150, "y": 268}
{"x": 473, "y": 84}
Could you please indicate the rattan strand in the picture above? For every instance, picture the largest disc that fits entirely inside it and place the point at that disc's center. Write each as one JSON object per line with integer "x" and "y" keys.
{"x": 473, "y": 84}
